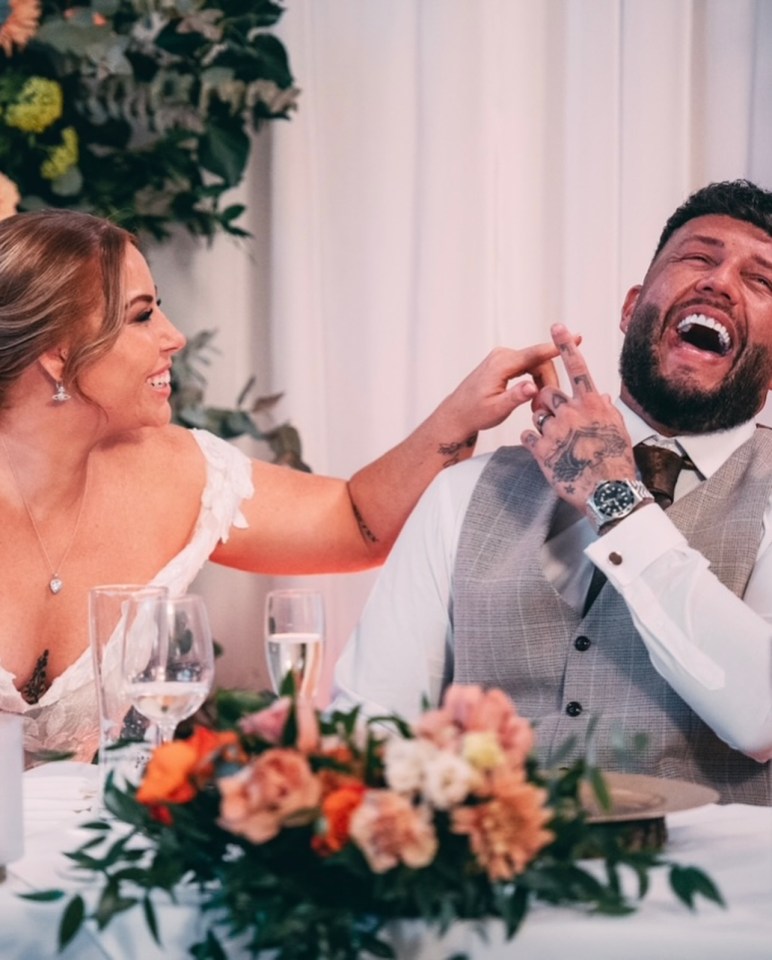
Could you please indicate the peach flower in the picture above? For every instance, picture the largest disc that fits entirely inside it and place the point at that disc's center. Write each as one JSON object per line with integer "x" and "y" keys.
{"x": 175, "y": 767}
{"x": 269, "y": 723}
{"x": 469, "y": 708}
{"x": 9, "y": 197}
{"x": 507, "y": 831}
{"x": 277, "y": 789}
{"x": 20, "y": 25}
{"x": 388, "y": 830}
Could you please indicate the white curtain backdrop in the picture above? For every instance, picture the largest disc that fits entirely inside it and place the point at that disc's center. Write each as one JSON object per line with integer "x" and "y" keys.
{"x": 460, "y": 174}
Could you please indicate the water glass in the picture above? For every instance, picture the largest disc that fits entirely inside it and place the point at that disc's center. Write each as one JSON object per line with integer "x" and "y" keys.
{"x": 111, "y": 615}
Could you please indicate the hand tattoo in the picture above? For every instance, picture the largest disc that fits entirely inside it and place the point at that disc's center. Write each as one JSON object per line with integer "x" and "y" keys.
{"x": 585, "y": 448}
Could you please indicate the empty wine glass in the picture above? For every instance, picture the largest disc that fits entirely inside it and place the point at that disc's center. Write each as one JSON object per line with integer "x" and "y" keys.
{"x": 294, "y": 634}
{"x": 167, "y": 660}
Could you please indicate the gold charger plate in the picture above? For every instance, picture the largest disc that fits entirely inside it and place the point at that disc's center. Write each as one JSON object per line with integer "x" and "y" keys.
{"x": 637, "y": 797}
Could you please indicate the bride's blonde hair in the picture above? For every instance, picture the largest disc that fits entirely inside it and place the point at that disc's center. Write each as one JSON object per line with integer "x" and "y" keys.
{"x": 58, "y": 268}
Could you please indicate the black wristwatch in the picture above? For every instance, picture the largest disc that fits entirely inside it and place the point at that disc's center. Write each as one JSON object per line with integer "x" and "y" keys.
{"x": 614, "y": 500}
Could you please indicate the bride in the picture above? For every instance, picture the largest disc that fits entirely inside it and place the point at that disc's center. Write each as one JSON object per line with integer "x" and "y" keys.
{"x": 96, "y": 485}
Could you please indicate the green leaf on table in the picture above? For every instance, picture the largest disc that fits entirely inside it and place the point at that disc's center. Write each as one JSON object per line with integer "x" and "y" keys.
{"x": 72, "y": 920}
{"x": 150, "y": 918}
{"x": 43, "y": 896}
{"x": 689, "y": 882}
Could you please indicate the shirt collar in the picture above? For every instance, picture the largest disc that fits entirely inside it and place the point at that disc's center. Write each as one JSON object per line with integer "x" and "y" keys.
{"x": 707, "y": 451}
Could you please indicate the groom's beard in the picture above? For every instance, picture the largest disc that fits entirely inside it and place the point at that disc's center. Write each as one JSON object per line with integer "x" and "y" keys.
{"x": 682, "y": 406}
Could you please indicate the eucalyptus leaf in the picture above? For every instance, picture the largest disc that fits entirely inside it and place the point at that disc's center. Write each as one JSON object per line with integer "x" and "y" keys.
{"x": 161, "y": 99}
{"x": 223, "y": 150}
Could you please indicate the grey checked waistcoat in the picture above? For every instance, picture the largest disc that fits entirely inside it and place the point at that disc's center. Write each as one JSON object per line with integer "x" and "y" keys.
{"x": 513, "y": 630}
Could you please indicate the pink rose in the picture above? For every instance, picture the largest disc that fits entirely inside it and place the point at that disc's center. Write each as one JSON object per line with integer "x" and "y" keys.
{"x": 277, "y": 789}
{"x": 469, "y": 708}
{"x": 269, "y": 724}
{"x": 389, "y": 830}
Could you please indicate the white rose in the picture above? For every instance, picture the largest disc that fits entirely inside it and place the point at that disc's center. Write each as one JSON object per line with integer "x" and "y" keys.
{"x": 405, "y": 762}
{"x": 447, "y": 781}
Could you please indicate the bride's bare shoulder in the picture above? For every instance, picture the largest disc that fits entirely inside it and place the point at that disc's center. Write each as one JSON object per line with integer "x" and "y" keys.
{"x": 166, "y": 455}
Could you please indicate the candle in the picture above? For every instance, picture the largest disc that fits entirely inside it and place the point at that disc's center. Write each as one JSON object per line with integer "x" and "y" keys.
{"x": 11, "y": 768}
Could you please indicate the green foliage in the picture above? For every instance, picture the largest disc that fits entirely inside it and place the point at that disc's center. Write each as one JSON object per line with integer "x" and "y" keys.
{"x": 142, "y": 110}
{"x": 189, "y": 407}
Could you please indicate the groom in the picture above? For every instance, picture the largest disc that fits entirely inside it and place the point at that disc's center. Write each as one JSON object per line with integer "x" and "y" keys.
{"x": 553, "y": 571}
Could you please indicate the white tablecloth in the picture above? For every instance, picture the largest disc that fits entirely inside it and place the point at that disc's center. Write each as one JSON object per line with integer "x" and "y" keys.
{"x": 732, "y": 843}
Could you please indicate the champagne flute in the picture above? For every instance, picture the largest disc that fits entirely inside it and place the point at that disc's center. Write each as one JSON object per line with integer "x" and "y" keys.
{"x": 294, "y": 634}
{"x": 168, "y": 660}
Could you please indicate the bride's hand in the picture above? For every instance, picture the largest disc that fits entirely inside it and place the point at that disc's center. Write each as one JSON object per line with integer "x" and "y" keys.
{"x": 485, "y": 398}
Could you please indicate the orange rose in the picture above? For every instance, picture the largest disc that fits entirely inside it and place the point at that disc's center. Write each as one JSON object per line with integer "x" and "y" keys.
{"x": 174, "y": 766}
{"x": 337, "y": 808}
{"x": 332, "y": 779}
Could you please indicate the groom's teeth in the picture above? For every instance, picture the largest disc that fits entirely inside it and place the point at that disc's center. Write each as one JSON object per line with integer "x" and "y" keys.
{"x": 705, "y": 332}
{"x": 160, "y": 381}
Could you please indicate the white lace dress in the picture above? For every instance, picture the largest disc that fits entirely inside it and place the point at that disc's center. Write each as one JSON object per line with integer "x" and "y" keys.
{"x": 65, "y": 718}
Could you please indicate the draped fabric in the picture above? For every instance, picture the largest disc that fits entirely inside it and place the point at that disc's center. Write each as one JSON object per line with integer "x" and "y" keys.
{"x": 460, "y": 174}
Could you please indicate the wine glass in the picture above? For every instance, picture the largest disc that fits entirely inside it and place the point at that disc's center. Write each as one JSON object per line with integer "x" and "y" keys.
{"x": 294, "y": 634}
{"x": 167, "y": 660}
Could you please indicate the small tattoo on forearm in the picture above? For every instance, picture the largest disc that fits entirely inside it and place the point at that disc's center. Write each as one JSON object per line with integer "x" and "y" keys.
{"x": 366, "y": 532}
{"x": 453, "y": 450}
{"x": 583, "y": 449}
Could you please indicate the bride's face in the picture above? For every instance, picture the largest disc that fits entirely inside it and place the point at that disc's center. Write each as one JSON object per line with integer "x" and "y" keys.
{"x": 131, "y": 382}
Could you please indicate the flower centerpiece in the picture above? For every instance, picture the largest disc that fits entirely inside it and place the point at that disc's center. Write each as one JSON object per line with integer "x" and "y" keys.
{"x": 305, "y": 834}
{"x": 137, "y": 110}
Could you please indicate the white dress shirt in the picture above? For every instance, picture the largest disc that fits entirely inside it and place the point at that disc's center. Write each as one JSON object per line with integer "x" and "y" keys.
{"x": 712, "y": 647}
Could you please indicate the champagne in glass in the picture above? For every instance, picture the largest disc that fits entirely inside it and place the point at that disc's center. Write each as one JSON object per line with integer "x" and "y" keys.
{"x": 294, "y": 633}
{"x": 168, "y": 661}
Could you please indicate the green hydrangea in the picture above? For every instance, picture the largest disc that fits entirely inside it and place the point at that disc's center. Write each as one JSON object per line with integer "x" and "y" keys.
{"x": 61, "y": 157}
{"x": 39, "y": 104}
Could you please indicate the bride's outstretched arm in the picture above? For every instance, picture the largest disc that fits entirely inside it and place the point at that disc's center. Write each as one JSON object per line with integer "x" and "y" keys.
{"x": 304, "y": 523}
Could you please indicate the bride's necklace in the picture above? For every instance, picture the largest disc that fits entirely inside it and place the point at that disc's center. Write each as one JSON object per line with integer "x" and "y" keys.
{"x": 55, "y": 582}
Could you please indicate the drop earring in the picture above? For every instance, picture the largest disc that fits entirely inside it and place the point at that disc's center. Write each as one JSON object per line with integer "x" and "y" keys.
{"x": 61, "y": 394}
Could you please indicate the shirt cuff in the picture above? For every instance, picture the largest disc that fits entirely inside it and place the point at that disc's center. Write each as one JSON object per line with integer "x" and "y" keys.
{"x": 634, "y": 543}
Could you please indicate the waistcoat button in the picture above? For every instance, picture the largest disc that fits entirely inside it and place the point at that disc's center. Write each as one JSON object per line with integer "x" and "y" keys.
{"x": 582, "y": 643}
{"x": 573, "y": 708}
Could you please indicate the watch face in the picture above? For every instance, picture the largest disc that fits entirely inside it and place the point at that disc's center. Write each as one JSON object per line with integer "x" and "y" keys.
{"x": 613, "y": 498}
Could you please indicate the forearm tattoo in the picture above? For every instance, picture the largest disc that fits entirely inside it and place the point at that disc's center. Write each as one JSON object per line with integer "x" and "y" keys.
{"x": 453, "y": 450}
{"x": 584, "y": 448}
{"x": 366, "y": 532}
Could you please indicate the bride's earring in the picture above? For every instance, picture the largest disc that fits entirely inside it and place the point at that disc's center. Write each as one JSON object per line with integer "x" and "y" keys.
{"x": 61, "y": 394}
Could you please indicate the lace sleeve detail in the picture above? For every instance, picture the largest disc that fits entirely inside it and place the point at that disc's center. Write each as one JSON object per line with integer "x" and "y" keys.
{"x": 228, "y": 484}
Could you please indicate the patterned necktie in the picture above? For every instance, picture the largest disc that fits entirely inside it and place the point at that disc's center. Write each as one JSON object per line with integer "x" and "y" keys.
{"x": 659, "y": 469}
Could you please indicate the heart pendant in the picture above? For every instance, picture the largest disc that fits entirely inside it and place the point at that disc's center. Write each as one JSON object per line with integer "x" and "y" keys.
{"x": 55, "y": 585}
